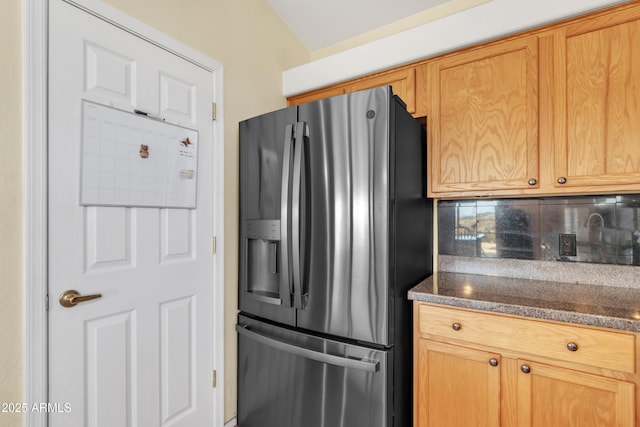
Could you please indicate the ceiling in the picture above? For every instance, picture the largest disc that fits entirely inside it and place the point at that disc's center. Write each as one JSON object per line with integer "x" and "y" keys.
{"x": 319, "y": 24}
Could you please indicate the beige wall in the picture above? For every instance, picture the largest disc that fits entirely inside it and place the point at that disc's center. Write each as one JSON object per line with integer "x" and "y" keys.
{"x": 253, "y": 45}
{"x": 10, "y": 210}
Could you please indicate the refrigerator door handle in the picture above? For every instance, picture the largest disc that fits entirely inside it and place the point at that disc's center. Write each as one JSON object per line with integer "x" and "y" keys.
{"x": 285, "y": 218}
{"x": 298, "y": 213}
{"x": 331, "y": 359}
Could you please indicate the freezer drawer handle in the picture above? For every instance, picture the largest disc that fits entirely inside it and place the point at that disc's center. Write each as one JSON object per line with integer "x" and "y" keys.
{"x": 345, "y": 362}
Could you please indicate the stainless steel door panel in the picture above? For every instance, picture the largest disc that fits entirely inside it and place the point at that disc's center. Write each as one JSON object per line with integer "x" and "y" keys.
{"x": 346, "y": 283}
{"x": 264, "y": 274}
{"x": 290, "y": 379}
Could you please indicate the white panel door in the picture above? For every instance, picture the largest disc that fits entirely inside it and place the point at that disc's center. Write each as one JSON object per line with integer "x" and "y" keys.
{"x": 143, "y": 353}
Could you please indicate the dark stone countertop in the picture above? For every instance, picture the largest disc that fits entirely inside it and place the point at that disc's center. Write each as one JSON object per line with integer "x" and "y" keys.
{"x": 592, "y": 305}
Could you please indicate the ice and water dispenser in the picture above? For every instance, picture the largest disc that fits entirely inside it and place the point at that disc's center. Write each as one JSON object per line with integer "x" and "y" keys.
{"x": 263, "y": 255}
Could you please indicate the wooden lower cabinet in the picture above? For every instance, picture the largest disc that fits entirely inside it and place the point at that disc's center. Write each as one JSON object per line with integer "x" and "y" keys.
{"x": 478, "y": 380}
{"x": 459, "y": 386}
{"x": 553, "y": 396}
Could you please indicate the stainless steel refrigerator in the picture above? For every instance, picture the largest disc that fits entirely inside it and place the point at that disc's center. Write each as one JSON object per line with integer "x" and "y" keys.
{"x": 334, "y": 229}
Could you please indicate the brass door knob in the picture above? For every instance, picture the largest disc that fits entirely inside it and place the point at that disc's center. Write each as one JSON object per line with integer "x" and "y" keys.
{"x": 70, "y": 298}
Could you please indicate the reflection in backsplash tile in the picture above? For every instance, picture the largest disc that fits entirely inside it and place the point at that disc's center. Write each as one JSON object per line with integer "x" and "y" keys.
{"x": 606, "y": 228}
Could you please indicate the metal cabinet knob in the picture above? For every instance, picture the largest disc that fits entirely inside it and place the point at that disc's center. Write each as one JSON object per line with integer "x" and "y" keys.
{"x": 525, "y": 368}
{"x": 562, "y": 180}
{"x": 572, "y": 346}
{"x": 493, "y": 361}
{"x": 532, "y": 181}
{"x": 456, "y": 326}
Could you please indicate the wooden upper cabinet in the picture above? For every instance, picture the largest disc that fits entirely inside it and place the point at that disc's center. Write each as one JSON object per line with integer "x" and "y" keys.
{"x": 597, "y": 102}
{"x": 483, "y": 119}
{"x": 317, "y": 94}
{"x": 405, "y": 82}
{"x": 402, "y": 81}
{"x": 555, "y": 110}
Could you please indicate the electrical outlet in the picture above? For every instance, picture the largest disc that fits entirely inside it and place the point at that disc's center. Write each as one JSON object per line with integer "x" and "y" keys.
{"x": 567, "y": 245}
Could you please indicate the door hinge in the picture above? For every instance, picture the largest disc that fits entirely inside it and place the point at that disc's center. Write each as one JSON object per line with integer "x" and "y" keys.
{"x": 213, "y": 379}
{"x": 213, "y": 111}
{"x": 213, "y": 245}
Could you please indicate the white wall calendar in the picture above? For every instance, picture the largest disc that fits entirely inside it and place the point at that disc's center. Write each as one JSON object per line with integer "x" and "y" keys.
{"x": 134, "y": 160}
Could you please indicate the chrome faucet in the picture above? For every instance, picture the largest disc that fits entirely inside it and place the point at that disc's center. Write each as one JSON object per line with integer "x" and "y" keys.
{"x": 597, "y": 215}
{"x": 595, "y": 238}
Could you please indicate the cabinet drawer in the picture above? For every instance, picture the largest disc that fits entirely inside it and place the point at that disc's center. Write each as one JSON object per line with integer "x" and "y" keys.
{"x": 576, "y": 344}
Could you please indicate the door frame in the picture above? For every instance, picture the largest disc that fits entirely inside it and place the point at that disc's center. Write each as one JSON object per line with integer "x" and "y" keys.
{"x": 35, "y": 199}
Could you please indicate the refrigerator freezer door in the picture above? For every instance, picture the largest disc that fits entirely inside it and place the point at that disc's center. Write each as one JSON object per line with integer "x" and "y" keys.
{"x": 290, "y": 379}
{"x": 346, "y": 287}
{"x": 266, "y": 168}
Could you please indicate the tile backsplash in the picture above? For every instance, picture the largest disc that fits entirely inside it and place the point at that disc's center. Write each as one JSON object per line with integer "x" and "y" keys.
{"x": 605, "y": 229}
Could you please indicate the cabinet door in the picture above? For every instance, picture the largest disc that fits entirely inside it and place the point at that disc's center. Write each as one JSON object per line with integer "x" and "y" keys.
{"x": 597, "y": 103}
{"x": 553, "y": 396}
{"x": 483, "y": 119}
{"x": 315, "y": 95}
{"x": 402, "y": 81}
{"x": 456, "y": 386}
